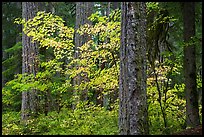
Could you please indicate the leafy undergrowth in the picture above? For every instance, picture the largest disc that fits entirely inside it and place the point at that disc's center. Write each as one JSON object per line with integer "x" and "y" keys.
{"x": 84, "y": 120}
{"x": 92, "y": 120}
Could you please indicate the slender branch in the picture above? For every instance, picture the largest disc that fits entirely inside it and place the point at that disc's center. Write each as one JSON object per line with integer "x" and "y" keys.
{"x": 160, "y": 100}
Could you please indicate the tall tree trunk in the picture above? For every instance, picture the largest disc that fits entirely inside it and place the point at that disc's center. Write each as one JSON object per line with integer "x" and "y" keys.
{"x": 132, "y": 90}
{"x": 192, "y": 111}
{"x": 108, "y": 9}
{"x": 83, "y": 11}
{"x": 30, "y": 64}
{"x": 115, "y": 5}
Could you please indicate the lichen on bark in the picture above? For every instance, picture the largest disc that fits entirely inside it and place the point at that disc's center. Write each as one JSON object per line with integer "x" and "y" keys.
{"x": 133, "y": 70}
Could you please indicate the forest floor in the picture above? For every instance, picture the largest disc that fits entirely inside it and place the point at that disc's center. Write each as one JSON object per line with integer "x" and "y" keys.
{"x": 191, "y": 131}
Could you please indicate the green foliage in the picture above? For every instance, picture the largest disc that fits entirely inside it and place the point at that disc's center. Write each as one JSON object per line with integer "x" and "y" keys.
{"x": 54, "y": 74}
{"x": 10, "y": 38}
{"x": 15, "y": 52}
{"x": 15, "y": 49}
{"x": 99, "y": 57}
{"x": 170, "y": 92}
{"x": 152, "y": 6}
{"x": 11, "y": 98}
{"x": 165, "y": 76}
{"x": 86, "y": 119}
{"x": 49, "y": 31}
{"x": 174, "y": 107}
{"x": 165, "y": 97}
{"x": 67, "y": 11}
{"x": 98, "y": 66}
{"x": 11, "y": 123}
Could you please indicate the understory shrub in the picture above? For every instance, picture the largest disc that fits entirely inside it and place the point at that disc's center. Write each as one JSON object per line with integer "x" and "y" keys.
{"x": 86, "y": 119}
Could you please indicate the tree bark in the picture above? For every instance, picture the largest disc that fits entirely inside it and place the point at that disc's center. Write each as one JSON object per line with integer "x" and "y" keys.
{"x": 30, "y": 63}
{"x": 108, "y": 9}
{"x": 132, "y": 90}
{"x": 192, "y": 111}
{"x": 123, "y": 79}
{"x": 83, "y": 11}
{"x": 115, "y": 5}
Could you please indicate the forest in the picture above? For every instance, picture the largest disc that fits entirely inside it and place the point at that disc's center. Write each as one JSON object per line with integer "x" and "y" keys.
{"x": 101, "y": 68}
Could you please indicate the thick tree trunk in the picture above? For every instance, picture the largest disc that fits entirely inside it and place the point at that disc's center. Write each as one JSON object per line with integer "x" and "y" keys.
{"x": 123, "y": 78}
{"x": 83, "y": 11}
{"x": 192, "y": 111}
{"x": 115, "y": 5}
{"x": 30, "y": 64}
{"x": 132, "y": 90}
